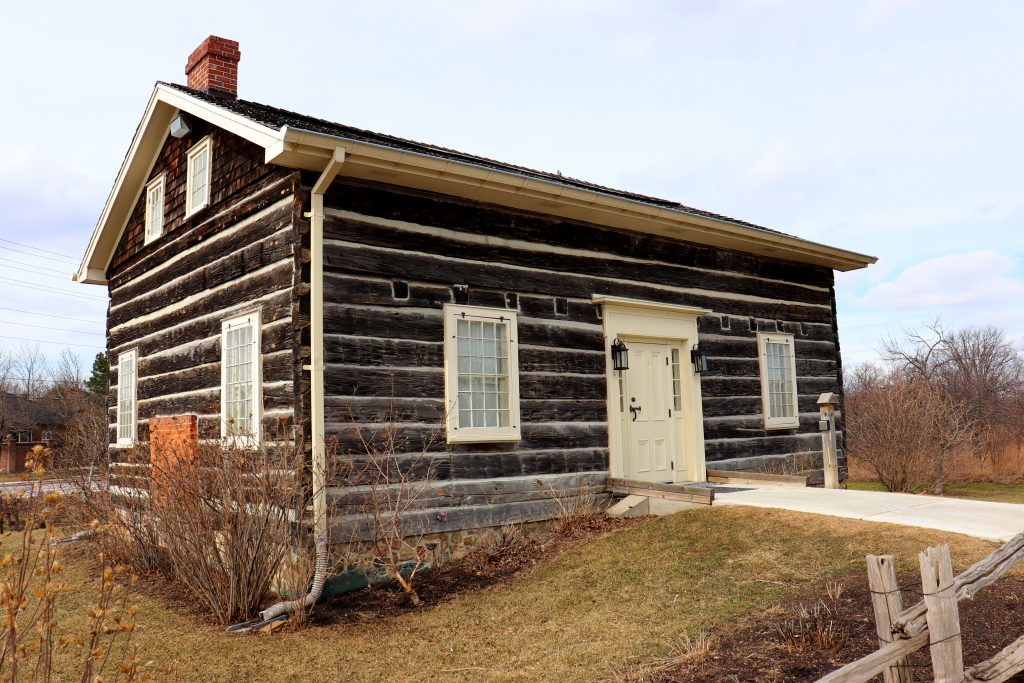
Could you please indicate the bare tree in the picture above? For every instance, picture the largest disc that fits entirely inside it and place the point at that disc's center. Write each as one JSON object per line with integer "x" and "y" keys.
{"x": 14, "y": 413}
{"x": 32, "y": 371}
{"x": 907, "y": 430}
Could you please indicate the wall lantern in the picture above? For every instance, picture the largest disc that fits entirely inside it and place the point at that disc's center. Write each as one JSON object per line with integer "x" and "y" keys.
{"x": 699, "y": 359}
{"x": 179, "y": 126}
{"x": 620, "y": 356}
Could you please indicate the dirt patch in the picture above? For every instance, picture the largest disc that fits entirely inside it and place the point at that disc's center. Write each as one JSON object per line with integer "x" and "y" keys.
{"x": 760, "y": 648}
{"x": 491, "y": 564}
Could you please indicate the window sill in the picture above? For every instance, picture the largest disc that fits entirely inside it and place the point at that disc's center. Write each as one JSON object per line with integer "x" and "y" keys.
{"x": 778, "y": 426}
{"x": 196, "y": 209}
{"x": 463, "y": 436}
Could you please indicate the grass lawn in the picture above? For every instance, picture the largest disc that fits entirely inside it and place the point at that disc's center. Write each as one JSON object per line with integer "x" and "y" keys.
{"x": 1000, "y": 493}
{"x": 617, "y": 600}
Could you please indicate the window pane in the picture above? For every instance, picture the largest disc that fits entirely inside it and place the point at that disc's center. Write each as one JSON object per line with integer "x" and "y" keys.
{"x": 239, "y": 380}
{"x": 779, "y": 367}
{"x": 482, "y": 371}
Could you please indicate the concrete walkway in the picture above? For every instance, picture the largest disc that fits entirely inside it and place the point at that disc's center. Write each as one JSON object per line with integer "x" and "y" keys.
{"x": 981, "y": 519}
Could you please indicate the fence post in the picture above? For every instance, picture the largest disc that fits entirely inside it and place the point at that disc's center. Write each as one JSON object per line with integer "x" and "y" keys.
{"x": 887, "y": 602}
{"x": 943, "y": 615}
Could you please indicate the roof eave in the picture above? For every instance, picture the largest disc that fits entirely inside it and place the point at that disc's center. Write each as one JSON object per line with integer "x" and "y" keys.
{"x": 309, "y": 150}
{"x": 164, "y": 104}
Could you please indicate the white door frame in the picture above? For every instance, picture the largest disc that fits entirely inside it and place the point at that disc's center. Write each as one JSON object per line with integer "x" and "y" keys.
{"x": 660, "y": 323}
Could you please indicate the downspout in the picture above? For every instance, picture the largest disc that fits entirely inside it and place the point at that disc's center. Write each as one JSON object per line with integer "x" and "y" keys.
{"x": 316, "y": 370}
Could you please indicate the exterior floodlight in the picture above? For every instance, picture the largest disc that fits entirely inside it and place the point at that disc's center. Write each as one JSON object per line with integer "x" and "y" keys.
{"x": 179, "y": 126}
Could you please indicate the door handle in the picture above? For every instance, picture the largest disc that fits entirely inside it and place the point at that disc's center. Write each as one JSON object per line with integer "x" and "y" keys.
{"x": 635, "y": 410}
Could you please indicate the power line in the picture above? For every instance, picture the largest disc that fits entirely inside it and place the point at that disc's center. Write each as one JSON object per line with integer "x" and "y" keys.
{"x": 29, "y": 246}
{"x": 44, "y": 288}
{"x": 28, "y": 253}
{"x": 63, "y": 273}
{"x": 51, "y": 315}
{"x": 58, "y": 329}
{"x": 35, "y": 271}
{"x": 47, "y": 341}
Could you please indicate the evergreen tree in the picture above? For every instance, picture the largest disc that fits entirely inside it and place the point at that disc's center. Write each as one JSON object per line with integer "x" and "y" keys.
{"x": 97, "y": 382}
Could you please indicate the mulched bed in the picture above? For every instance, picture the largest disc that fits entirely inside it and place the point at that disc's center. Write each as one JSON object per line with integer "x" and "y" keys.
{"x": 488, "y": 565}
{"x": 752, "y": 650}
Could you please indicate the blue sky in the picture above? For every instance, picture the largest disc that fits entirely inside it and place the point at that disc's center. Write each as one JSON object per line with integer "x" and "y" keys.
{"x": 890, "y": 127}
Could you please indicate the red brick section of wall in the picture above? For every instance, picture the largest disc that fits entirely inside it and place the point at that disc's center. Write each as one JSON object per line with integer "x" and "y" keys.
{"x": 213, "y": 67}
{"x": 173, "y": 443}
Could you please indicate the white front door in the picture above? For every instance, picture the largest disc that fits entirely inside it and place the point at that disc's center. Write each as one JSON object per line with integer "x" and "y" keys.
{"x": 650, "y": 422}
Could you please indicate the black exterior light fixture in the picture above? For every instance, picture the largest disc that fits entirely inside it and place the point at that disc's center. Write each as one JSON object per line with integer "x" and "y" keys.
{"x": 620, "y": 356}
{"x": 699, "y": 359}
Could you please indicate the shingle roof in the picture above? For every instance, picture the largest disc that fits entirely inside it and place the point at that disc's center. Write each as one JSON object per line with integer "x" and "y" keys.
{"x": 37, "y": 411}
{"x": 274, "y": 117}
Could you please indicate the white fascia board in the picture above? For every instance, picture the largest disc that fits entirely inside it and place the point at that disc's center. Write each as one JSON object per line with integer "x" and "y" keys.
{"x": 164, "y": 104}
{"x": 308, "y": 149}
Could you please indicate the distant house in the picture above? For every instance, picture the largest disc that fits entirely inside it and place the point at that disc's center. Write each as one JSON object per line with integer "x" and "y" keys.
{"x": 271, "y": 271}
{"x": 27, "y": 423}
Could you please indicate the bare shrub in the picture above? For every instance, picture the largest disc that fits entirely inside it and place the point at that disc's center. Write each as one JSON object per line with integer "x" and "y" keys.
{"x": 823, "y": 625}
{"x": 229, "y": 521}
{"x": 682, "y": 651}
{"x": 904, "y": 429}
{"x": 579, "y": 510}
{"x": 506, "y": 550}
{"x": 30, "y": 590}
{"x": 393, "y": 482}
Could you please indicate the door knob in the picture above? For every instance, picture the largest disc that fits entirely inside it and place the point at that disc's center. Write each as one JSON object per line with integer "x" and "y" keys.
{"x": 635, "y": 410}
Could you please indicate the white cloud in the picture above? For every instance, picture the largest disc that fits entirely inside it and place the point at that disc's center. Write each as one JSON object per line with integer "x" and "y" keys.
{"x": 978, "y": 280}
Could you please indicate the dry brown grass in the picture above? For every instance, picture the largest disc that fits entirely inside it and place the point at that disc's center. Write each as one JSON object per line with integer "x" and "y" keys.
{"x": 617, "y": 601}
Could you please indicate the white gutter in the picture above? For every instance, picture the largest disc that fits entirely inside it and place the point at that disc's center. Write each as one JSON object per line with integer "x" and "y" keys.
{"x": 316, "y": 370}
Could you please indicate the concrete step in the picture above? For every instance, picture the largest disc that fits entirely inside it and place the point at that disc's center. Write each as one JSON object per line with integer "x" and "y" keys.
{"x": 630, "y": 506}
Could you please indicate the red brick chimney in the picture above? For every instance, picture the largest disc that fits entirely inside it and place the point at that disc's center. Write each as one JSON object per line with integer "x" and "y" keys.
{"x": 213, "y": 67}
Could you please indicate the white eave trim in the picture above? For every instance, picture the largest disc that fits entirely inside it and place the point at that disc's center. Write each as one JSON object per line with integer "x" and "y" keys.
{"x": 309, "y": 150}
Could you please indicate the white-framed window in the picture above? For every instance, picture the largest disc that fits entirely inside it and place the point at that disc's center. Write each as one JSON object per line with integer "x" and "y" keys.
{"x": 127, "y": 381}
{"x": 778, "y": 380}
{"x": 241, "y": 379}
{"x": 197, "y": 187}
{"x": 24, "y": 437}
{"x": 47, "y": 436}
{"x": 154, "y": 208}
{"x": 481, "y": 362}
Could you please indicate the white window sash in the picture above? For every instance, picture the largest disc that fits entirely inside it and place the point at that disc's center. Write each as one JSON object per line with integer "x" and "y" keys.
{"x": 235, "y": 390}
{"x": 154, "y": 209}
{"x": 460, "y": 433}
{"x": 127, "y": 410}
{"x": 202, "y": 149}
{"x": 770, "y": 380}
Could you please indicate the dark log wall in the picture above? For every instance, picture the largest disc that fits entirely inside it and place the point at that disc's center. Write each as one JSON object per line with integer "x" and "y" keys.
{"x": 169, "y": 298}
{"x": 393, "y": 258}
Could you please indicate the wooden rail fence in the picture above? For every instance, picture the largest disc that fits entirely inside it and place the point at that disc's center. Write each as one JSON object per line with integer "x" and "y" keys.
{"x": 932, "y": 622}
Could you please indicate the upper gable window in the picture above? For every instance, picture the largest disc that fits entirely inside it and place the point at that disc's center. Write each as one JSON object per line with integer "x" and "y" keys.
{"x": 197, "y": 191}
{"x": 778, "y": 380}
{"x": 481, "y": 374}
{"x": 154, "y": 208}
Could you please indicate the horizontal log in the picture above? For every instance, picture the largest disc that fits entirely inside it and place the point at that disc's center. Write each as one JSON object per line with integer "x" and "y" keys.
{"x": 161, "y": 334}
{"x": 217, "y": 261}
{"x": 711, "y": 385}
{"x": 349, "y": 499}
{"x": 726, "y": 449}
{"x": 272, "y": 340}
{"x": 485, "y": 219}
{"x": 277, "y": 367}
{"x": 273, "y": 187}
{"x": 356, "y": 258}
{"x": 746, "y": 327}
{"x": 723, "y": 406}
{"x": 750, "y": 367}
{"x": 469, "y": 465}
{"x": 449, "y": 243}
{"x": 413, "y": 438}
{"x": 277, "y": 397}
{"x": 746, "y": 347}
{"x": 440, "y": 520}
{"x": 750, "y": 426}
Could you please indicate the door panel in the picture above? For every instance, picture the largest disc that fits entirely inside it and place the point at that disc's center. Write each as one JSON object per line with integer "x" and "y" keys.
{"x": 649, "y": 424}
